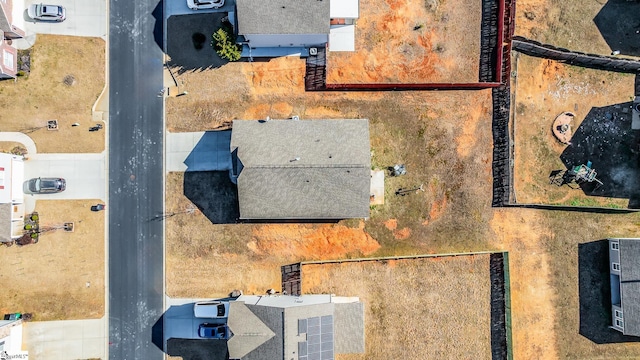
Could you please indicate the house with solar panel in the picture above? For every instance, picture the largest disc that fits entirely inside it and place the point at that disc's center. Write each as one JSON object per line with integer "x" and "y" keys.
{"x": 624, "y": 269}
{"x": 284, "y": 327}
{"x": 301, "y": 169}
{"x": 271, "y": 28}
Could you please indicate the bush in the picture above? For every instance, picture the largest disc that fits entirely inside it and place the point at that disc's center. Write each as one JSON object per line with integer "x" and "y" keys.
{"x": 224, "y": 42}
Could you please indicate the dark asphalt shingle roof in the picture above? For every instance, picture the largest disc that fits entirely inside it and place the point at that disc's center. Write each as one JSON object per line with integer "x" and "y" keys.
{"x": 329, "y": 180}
{"x": 283, "y": 16}
{"x": 630, "y": 284}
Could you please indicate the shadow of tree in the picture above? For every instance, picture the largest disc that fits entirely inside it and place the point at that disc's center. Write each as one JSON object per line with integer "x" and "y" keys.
{"x": 594, "y": 288}
{"x": 618, "y": 22}
{"x": 189, "y": 41}
{"x": 606, "y": 139}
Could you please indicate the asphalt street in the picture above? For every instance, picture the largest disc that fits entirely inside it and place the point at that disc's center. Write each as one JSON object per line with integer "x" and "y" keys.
{"x": 135, "y": 180}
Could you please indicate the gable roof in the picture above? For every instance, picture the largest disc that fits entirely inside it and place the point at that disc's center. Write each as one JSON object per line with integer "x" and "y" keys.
{"x": 305, "y": 324}
{"x": 249, "y": 332}
{"x": 283, "y": 16}
{"x": 630, "y": 285}
{"x": 314, "y": 169}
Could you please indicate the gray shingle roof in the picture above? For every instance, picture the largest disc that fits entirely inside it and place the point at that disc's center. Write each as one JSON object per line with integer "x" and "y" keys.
{"x": 283, "y": 16}
{"x": 630, "y": 284}
{"x": 316, "y": 169}
{"x": 249, "y": 332}
{"x": 5, "y": 25}
{"x": 5, "y": 222}
{"x": 349, "y": 328}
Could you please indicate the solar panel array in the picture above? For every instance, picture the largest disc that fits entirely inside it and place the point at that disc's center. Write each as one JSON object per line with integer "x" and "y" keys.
{"x": 319, "y": 344}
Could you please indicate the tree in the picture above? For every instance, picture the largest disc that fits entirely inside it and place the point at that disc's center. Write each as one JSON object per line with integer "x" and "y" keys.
{"x": 224, "y": 43}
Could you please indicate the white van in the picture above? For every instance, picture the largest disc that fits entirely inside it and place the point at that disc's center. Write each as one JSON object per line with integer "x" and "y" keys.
{"x": 211, "y": 309}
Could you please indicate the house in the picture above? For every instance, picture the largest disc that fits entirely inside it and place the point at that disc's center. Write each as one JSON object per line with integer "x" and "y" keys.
{"x": 624, "y": 270}
{"x": 270, "y": 28}
{"x": 310, "y": 169}
{"x": 11, "y": 340}
{"x": 8, "y": 33}
{"x": 11, "y": 197}
{"x": 284, "y": 327}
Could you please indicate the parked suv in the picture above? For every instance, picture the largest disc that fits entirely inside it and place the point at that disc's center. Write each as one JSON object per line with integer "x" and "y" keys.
{"x": 42, "y": 12}
{"x": 211, "y": 309}
{"x": 204, "y": 4}
{"x": 46, "y": 185}
{"x": 213, "y": 331}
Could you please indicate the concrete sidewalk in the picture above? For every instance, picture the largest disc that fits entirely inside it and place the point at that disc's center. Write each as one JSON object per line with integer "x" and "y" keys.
{"x": 66, "y": 339}
{"x": 21, "y": 138}
{"x": 198, "y": 151}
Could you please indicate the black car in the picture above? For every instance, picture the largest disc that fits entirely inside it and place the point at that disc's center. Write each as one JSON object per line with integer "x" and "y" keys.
{"x": 46, "y": 185}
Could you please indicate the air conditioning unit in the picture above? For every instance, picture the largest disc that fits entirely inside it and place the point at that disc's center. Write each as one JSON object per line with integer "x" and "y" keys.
{"x": 313, "y": 51}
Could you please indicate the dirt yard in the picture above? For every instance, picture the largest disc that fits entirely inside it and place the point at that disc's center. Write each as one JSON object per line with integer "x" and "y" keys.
{"x": 543, "y": 90}
{"x": 67, "y": 76}
{"x": 597, "y": 27}
{"x": 412, "y": 41}
{"x": 419, "y": 314}
{"x": 61, "y": 276}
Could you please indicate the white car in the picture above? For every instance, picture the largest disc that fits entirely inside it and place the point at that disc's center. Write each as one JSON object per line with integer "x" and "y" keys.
{"x": 42, "y": 12}
{"x": 204, "y": 4}
{"x": 211, "y": 309}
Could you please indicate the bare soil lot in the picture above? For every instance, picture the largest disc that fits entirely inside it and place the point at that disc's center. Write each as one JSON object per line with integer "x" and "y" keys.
{"x": 67, "y": 76}
{"x": 601, "y": 127}
{"x": 412, "y": 41}
{"x": 588, "y": 26}
{"x": 435, "y": 308}
{"x": 61, "y": 276}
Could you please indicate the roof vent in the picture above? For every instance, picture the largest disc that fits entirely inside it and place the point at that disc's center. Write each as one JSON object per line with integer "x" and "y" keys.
{"x": 295, "y": 117}
{"x": 313, "y": 51}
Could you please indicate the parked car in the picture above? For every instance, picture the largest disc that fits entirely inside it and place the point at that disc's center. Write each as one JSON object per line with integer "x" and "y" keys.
{"x": 211, "y": 309}
{"x": 46, "y": 185}
{"x": 42, "y": 12}
{"x": 213, "y": 331}
{"x": 204, "y": 4}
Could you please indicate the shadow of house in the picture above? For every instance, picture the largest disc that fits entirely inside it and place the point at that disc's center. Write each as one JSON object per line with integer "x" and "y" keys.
{"x": 189, "y": 41}
{"x": 206, "y": 180}
{"x": 594, "y": 286}
{"x": 606, "y": 139}
{"x": 618, "y": 22}
{"x": 158, "y": 34}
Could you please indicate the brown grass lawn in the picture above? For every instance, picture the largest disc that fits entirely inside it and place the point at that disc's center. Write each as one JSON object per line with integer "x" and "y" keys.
{"x": 544, "y": 90}
{"x": 415, "y": 307}
{"x": 49, "y": 279}
{"x": 444, "y": 138}
{"x": 30, "y": 101}
{"x": 571, "y": 25}
{"x": 410, "y": 41}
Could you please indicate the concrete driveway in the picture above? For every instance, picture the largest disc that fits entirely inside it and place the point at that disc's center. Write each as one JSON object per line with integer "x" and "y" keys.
{"x": 198, "y": 151}
{"x": 66, "y": 339}
{"x": 179, "y": 7}
{"x": 84, "y": 18}
{"x": 85, "y": 174}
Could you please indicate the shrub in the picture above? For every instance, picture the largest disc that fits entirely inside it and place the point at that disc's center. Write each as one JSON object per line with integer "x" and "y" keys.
{"x": 224, "y": 43}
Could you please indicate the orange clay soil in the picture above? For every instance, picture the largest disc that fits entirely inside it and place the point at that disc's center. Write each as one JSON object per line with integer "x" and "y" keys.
{"x": 311, "y": 242}
{"x": 411, "y": 41}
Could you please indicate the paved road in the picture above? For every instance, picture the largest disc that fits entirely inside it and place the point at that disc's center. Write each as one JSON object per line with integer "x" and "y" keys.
{"x": 135, "y": 181}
